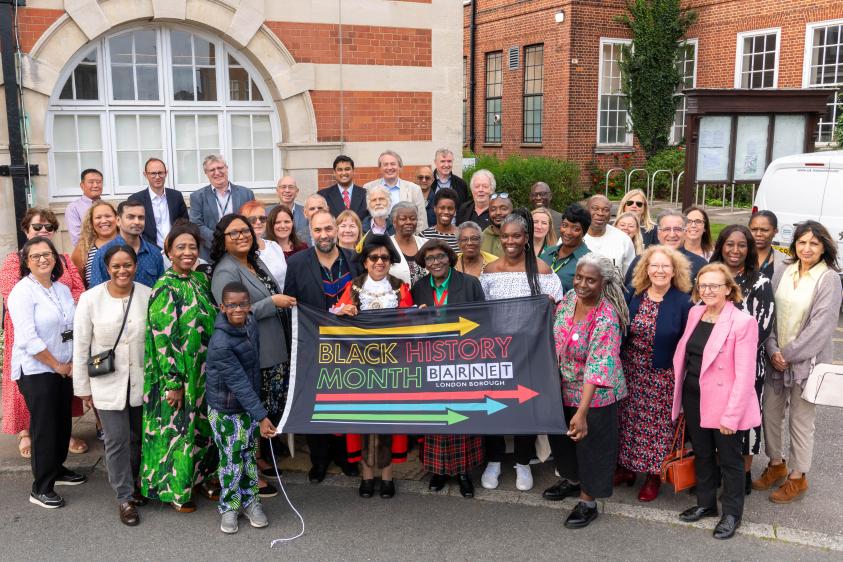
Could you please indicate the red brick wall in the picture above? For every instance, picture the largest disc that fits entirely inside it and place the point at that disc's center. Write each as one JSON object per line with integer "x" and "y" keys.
{"x": 373, "y": 116}
{"x": 364, "y": 174}
{"x": 32, "y": 22}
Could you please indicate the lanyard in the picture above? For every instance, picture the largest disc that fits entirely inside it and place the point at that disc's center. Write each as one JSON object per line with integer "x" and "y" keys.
{"x": 224, "y": 205}
{"x": 557, "y": 265}
{"x": 52, "y": 296}
{"x": 440, "y": 293}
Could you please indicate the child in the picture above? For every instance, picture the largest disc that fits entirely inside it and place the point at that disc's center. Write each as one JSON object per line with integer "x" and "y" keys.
{"x": 234, "y": 406}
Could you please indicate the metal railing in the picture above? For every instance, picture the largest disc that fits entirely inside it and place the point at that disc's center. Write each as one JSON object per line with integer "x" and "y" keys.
{"x": 609, "y": 173}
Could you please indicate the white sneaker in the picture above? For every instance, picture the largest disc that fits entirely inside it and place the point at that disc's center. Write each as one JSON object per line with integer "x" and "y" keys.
{"x": 229, "y": 522}
{"x": 523, "y": 477}
{"x": 254, "y": 513}
{"x": 490, "y": 477}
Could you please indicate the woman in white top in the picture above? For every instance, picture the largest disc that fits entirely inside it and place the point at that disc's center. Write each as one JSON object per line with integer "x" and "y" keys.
{"x": 42, "y": 312}
{"x": 518, "y": 273}
{"x": 404, "y": 217}
{"x": 112, "y": 315}
{"x": 270, "y": 253}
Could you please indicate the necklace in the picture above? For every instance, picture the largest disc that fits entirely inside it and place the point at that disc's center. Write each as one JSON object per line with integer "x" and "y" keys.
{"x": 461, "y": 265}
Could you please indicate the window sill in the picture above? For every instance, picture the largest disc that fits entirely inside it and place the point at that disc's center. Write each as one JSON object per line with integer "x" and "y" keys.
{"x": 613, "y": 149}
{"x": 532, "y": 145}
{"x": 492, "y": 145}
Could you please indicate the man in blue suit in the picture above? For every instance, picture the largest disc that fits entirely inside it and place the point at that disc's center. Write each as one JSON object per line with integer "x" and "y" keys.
{"x": 209, "y": 204}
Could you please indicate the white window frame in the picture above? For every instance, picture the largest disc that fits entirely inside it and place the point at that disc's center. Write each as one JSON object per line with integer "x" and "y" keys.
{"x": 219, "y": 47}
{"x": 739, "y": 53}
{"x": 806, "y": 68}
{"x": 696, "y": 43}
{"x": 629, "y": 137}
{"x": 106, "y": 154}
{"x": 221, "y": 131}
{"x": 106, "y": 49}
{"x": 121, "y": 189}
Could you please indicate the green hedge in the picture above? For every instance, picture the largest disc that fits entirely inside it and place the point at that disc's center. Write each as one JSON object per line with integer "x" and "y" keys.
{"x": 516, "y": 174}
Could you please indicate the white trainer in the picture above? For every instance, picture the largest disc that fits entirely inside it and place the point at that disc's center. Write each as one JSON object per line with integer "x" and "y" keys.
{"x": 229, "y": 522}
{"x": 491, "y": 475}
{"x": 523, "y": 477}
{"x": 254, "y": 513}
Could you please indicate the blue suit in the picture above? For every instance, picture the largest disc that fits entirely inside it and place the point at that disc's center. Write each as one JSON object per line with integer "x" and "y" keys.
{"x": 204, "y": 212}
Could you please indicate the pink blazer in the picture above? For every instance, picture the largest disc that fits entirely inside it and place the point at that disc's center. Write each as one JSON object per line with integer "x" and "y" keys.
{"x": 727, "y": 374}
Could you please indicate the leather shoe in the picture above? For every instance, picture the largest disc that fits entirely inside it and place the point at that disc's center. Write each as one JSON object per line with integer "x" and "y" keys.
{"x": 138, "y": 499}
{"x": 128, "y": 514}
{"x": 650, "y": 490}
{"x": 581, "y": 516}
{"x": 726, "y": 527}
{"x": 350, "y": 469}
{"x": 367, "y": 488}
{"x": 317, "y": 472}
{"x": 437, "y": 482}
{"x": 623, "y": 476}
{"x": 387, "y": 489}
{"x": 693, "y": 514}
{"x": 466, "y": 485}
{"x": 561, "y": 490}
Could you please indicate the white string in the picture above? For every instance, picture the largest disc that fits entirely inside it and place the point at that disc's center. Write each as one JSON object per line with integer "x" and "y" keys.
{"x": 284, "y": 490}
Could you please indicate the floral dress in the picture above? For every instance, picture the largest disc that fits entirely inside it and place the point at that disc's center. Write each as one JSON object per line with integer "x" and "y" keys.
{"x": 645, "y": 425}
{"x": 177, "y": 450}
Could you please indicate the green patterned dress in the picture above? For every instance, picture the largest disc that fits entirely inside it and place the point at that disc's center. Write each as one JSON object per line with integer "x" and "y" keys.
{"x": 178, "y": 450}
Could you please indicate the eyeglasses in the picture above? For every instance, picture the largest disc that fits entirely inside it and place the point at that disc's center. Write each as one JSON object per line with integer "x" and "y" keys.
{"x": 696, "y": 222}
{"x": 237, "y": 305}
{"x": 38, "y": 226}
{"x": 38, "y": 257}
{"x": 676, "y": 229}
{"x": 705, "y": 288}
{"x": 430, "y": 260}
{"x": 374, "y": 258}
{"x": 237, "y": 234}
{"x": 660, "y": 266}
{"x": 255, "y": 220}
{"x": 216, "y": 169}
{"x": 156, "y": 174}
{"x": 638, "y": 204}
{"x": 474, "y": 239}
{"x": 502, "y": 195}
{"x": 424, "y": 177}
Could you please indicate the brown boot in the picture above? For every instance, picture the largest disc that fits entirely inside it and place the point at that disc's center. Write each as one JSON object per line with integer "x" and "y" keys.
{"x": 792, "y": 490}
{"x": 772, "y": 476}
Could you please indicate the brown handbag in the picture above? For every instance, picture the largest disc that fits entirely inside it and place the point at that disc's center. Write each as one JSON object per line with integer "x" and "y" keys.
{"x": 678, "y": 467}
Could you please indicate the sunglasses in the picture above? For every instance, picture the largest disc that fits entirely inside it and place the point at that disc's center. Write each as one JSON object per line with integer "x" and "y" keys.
{"x": 374, "y": 258}
{"x": 255, "y": 220}
{"x": 38, "y": 226}
{"x": 502, "y": 195}
{"x": 636, "y": 203}
{"x": 424, "y": 177}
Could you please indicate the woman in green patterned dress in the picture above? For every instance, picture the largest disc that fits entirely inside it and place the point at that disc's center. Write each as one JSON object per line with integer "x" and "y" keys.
{"x": 177, "y": 451}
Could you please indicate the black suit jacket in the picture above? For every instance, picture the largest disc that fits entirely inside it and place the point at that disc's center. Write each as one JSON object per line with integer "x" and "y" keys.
{"x": 175, "y": 204}
{"x": 304, "y": 277}
{"x": 457, "y": 184}
{"x": 335, "y": 204}
{"x": 462, "y": 288}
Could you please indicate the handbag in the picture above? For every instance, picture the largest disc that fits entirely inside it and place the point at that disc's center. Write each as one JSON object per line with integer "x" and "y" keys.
{"x": 824, "y": 385}
{"x": 103, "y": 363}
{"x": 678, "y": 466}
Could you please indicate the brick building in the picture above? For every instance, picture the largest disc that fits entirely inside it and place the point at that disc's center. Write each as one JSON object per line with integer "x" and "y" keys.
{"x": 279, "y": 87}
{"x": 547, "y": 80}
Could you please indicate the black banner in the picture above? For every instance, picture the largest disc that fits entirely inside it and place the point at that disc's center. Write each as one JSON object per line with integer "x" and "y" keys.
{"x": 481, "y": 368}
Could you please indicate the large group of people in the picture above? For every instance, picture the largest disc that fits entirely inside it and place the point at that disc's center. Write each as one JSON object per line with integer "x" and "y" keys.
{"x": 174, "y": 325}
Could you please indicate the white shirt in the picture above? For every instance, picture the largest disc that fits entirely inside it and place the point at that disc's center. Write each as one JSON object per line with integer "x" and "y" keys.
{"x": 614, "y": 244}
{"x": 394, "y": 191}
{"x": 39, "y": 315}
{"x": 273, "y": 258}
{"x": 161, "y": 212}
{"x": 224, "y": 202}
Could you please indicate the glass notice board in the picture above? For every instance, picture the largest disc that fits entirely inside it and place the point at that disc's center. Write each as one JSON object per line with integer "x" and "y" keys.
{"x": 788, "y": 135}
{"x": 751, "y": 147}
{"x": 715, "y": 135}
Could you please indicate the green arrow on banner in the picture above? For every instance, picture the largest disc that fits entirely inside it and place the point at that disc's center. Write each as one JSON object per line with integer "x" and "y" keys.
{"x": 450, "y": 418}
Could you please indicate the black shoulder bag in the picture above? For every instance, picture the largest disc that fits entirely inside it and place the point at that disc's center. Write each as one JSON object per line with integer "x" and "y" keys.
{"x": 103, "y": 363}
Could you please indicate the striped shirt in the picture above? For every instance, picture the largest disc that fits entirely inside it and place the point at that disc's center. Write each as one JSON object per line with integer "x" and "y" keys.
{"x": 450, "y": 239}
{"x": 89, "y": 260}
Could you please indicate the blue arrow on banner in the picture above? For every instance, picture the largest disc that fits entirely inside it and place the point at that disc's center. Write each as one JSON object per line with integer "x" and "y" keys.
{"x": 489, "y": 406}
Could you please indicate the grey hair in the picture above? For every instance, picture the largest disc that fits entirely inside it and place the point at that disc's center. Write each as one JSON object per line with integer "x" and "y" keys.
{"x": 468, "y": 225}
{"x": 402, "y": 205}
{"x": 316, "y": 196}
{"x": 378, "y": 188}
{"x": 213, "y": 158}
{"x": 517, "y": 219}
{"x": 393, "y": 154}
{"x": 613, "y": 289}
{"x": 671, "y": 213}
{"x": 489, "y": 176}
{"x": 443, "y": 152}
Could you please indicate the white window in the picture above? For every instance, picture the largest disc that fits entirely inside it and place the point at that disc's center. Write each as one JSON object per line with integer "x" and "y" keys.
{"x": 757, "y": 59}
{"x": 613, "y": 124}
{"x": 164, "y": 91}
{"x": 823, "y": 68}
{"x": 686, "y": 64}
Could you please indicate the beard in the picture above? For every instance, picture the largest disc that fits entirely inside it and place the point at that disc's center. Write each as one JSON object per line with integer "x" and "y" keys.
{"x": 379, "y": 213}
{"x": 325, "y": 245}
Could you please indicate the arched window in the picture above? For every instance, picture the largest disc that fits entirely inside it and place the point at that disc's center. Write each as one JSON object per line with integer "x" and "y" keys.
{"x": 169, "y": 92}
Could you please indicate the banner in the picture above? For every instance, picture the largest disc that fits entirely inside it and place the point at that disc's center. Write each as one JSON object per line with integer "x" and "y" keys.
{"x": 480, "y": 368}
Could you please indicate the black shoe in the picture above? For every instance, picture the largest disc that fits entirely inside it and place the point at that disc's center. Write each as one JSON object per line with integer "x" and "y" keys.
{"x": 581, "y": 516}
{"x": 138, "y": 499}
{"x": 350, "y": 469}
{"x": 317, "y": 473}
{"x": 437, "y": 482}
{"x": 693, "y": 514}
{"x": 268, "y": 491}
{"x": 269, "y": 472}
{"x": 50, "y": 500}
{"x": 466, "y": 485}
{"x": 70, "y": 478}
{"x": 726, "y": 527}
{"x": 561, "y": 490}
{"x": 387, "y": 489}
{"x": 367, "y": 488}
{"x": 748, "y": 483}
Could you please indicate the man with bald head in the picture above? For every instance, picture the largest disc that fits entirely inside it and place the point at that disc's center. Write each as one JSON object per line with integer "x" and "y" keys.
{"x": 540, "y": 196}
{"x": 605, "y": 239}
{"x": 287, "y": 190}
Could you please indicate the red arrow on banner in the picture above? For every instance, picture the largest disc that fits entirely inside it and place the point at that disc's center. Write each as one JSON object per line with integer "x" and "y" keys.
{"x": 522, "y": 394}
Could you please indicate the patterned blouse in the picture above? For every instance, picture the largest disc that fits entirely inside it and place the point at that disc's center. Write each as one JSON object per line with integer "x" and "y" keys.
{"x": 514, "y": 284}
{"x": 589, "y": 352}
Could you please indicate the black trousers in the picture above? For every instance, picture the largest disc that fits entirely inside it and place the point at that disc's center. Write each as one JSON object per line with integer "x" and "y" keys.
{"x": 48, "y": 397}
{"x": 708, "y": 444}
{"x": 525, "y": 448}
{"x": 327, "y": 448}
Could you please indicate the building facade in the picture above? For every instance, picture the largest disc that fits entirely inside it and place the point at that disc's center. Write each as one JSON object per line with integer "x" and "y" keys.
{"x": 277, "y": 87}
{"x": 547, "y": 79}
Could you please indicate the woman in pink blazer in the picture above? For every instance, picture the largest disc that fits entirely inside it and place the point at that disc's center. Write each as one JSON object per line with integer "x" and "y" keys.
{"x": 714, "y": 365}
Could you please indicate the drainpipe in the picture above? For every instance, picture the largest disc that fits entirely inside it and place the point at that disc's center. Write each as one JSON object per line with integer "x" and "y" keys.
{"x": 472, "y": 31}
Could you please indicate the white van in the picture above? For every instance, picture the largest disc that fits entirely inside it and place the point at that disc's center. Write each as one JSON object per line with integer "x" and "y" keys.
{"x": 804, "y": 187}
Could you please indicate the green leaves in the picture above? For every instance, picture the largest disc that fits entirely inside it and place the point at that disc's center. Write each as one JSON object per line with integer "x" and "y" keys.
{"x": 517, "y": 174}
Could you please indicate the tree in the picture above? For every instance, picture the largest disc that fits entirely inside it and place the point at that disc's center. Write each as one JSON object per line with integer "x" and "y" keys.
{"x": 650, "y": 74}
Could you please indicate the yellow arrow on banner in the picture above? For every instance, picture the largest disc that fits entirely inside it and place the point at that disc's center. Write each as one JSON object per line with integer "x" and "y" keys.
{"x": 463, "y": 326}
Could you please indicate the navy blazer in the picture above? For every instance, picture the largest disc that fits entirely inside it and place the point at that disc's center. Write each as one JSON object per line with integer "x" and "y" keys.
{"x": 205, "y": 213}
{"x": 175, "y": 205}
{"x": 304, "y": 276}
{"x": 336, "y": 205}
{"x": 670, "y": 324}
{"x": 462, "y": 288}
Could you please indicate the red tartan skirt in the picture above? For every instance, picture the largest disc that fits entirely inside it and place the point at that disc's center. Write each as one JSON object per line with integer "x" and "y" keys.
{"x": 452, "y": 454}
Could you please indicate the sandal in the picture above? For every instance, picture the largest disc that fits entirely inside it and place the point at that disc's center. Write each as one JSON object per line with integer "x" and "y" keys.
{"x": 25, "y": 450}
{"x": 77, "y": 446}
